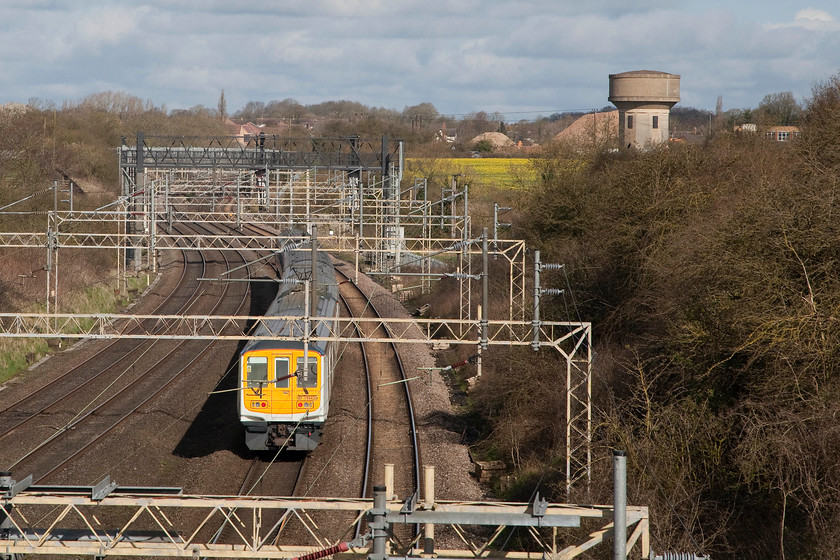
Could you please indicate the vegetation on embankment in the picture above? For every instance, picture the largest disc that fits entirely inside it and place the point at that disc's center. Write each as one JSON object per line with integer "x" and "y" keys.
{"x": 16, "y": 354}
{"x": 711, "y": 274}
{"x": 40, "y": 144}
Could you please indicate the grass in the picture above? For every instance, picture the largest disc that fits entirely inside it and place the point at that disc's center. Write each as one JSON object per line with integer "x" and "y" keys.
{"x": 16, "y": 354}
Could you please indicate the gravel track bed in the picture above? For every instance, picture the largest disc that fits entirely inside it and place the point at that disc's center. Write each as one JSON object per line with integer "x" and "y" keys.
{"x": 439, "y": 442}
{"x": 391, "y": 435}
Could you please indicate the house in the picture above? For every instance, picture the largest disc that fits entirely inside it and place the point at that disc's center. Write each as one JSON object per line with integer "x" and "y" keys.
{"x": 443, "y": 136}
{"x": 245, "y": 133}
{"x": 782, "y": 133}
{"x": 774, "y": 133}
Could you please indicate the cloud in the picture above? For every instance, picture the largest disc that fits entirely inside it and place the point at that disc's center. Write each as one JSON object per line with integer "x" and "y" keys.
{"x": 461, "y": 56}
{"x": 811, "y": 19}
{"x": 100, "y": 27}
{"x": 816, "y": 20}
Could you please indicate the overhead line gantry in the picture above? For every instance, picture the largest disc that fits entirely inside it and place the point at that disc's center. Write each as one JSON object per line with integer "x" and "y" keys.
{"x": 350, "y": 187}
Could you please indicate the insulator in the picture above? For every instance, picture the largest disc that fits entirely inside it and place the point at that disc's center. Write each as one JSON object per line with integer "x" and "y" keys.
{"x": 341, "y": 547}
{"x": 462, "y": 244}
{"x": 552, "y": 291}
{"x": 680, "y": 556}
{"x": 462, "y": 275}
{"x": 291, "y": 247}
{"x": 552, "y": 266}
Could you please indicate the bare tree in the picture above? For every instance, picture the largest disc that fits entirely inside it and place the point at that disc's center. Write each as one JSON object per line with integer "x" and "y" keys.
{"x": 222, "y": 106}
{"x": 779, "y": 109}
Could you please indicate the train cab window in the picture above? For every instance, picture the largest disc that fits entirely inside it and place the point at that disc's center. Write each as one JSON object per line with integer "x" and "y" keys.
{"x": 310, "y": 377}
{"x": 257, "y": 371}
{"x": 281, "y": 370}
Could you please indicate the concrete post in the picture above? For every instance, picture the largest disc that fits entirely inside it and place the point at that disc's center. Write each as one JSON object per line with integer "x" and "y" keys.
{"x": 620, "y": 505}
{"x": 429, "y": 528}
{"x": 389, "y": 481}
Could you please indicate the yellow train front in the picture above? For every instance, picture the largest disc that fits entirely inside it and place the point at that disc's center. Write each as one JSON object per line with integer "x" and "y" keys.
{"x": 282, "y": 404}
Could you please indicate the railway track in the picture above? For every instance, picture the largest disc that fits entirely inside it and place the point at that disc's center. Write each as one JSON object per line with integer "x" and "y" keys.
{"x": 391, "y": 435}
{"x": 263, "y": 471}
{"x": 268, "y": 473}
{"x": 38, "y": 399}
{"x": 136, "y": 392}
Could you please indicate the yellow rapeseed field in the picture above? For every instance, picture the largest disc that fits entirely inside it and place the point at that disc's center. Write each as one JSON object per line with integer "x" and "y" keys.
{"x": 510, "y": 173}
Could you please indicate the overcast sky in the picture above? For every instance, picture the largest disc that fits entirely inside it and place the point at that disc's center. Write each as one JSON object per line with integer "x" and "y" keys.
{"x": 520, "y": 58}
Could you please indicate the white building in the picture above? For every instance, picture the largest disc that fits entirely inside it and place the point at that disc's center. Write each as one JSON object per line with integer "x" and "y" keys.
{"x": 644, "y": 99}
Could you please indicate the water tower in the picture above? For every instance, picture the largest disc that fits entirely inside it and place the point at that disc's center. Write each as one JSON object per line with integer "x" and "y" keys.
{"x": 644, "y": 99}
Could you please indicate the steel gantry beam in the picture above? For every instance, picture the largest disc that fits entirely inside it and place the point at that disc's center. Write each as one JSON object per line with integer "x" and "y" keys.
{"x": 108, "y": 520}
{"x": 254, "y": 152}
{"x": 414, "y": 254}
{"x": 414, "y": 250}
{"x": 571, "y": 339}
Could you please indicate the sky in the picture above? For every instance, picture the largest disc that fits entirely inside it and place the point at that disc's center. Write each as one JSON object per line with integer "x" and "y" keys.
{"x": 518, "y": 58}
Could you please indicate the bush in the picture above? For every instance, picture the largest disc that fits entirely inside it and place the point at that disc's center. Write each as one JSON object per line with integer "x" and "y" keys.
{"x": 709, "y": 273}
{"x": 484, "y": 147}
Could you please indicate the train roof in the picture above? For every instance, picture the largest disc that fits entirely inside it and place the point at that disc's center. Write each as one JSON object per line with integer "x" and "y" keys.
{"x": 290, "y": 300}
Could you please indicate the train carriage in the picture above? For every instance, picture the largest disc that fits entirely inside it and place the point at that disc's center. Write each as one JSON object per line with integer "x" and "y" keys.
{"x": 283, "y": 404}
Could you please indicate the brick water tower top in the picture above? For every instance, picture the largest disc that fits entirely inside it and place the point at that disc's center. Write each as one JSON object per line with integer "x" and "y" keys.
{"x": 644, "y": 99}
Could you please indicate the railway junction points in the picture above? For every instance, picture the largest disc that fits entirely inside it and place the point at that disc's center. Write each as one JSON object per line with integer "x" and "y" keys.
{"x": 350, "y": 193}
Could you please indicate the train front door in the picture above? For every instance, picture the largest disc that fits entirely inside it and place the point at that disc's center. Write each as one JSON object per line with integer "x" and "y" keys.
{"x": 282, "y": 401}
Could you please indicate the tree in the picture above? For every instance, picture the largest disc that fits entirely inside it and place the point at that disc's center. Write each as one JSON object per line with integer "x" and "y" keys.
{"x": 711, "y": 274}
{"x": 425, "y": 111}
{"x": 821, "y": 128}
{"x": 287, "y": 109}
{"x": 222, "y": 106}
{"x": 251, "y": 110}
{"x": 779, "y": 109}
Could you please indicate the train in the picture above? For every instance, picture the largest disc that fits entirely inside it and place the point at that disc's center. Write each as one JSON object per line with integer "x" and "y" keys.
{"x": 282, "y": 404}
